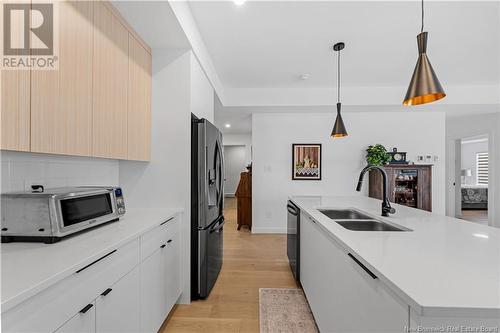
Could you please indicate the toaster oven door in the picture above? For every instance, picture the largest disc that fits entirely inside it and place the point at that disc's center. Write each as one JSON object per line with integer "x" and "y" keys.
{"x": 84, "y": 211}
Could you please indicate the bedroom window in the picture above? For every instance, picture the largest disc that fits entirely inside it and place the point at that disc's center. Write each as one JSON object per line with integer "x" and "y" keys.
{"x": 482, "y": 168}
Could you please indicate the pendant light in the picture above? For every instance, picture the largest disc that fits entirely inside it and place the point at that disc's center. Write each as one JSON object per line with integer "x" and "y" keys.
{"x": 339, "y": 130}
{"x": 424, "y": 85}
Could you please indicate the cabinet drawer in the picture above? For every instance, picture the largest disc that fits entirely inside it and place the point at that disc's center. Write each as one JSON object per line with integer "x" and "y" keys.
{"x": 154, "y": 239}
{"x": 49, "y": 309}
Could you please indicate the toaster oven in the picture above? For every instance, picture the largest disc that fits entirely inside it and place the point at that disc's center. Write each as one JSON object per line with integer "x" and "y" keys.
{"x": 53, "y": 214}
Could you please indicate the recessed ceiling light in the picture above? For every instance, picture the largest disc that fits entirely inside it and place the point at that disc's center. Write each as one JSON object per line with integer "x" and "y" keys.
{"x": 227, "y": 125}
{"x": 481, "y": 236}
{"x": 239, "y": 2}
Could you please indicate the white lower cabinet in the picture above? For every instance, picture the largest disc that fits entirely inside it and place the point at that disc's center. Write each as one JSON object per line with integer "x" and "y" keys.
{"x": 82, "y": 322}
{"x": 172, "y": 271}
{"x": 153, "y": 292}
{"x": 344, "y": 297}
{"x": 118, "y": 307}
{"x": 129, "y": 289}
{"x": 160, "y": 280}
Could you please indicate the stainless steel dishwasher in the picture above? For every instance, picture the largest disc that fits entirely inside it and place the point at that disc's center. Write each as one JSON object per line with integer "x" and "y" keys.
{"x": 293, "y": 239}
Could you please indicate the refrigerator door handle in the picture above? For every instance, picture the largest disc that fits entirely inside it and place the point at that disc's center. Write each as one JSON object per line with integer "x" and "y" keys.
{"x": 292, "y": 210}
{"x": 219, "y": 172}
{"x": 223, "y": 176}
{"x": 218, "y": 226}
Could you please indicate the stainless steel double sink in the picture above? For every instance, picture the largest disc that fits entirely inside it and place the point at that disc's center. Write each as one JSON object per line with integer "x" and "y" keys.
{"x": 354, "y": 220}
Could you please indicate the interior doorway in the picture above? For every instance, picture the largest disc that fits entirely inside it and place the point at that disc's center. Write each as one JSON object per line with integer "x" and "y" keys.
{"x": 472, "y": 183}
{"x": 235, "y": 163}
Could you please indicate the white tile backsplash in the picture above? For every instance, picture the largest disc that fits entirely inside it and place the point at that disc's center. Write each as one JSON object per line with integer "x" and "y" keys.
{"x": 21, "y": 170}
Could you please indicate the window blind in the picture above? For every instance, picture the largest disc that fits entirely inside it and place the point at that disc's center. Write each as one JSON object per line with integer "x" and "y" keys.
{"x": 482, "y": 168}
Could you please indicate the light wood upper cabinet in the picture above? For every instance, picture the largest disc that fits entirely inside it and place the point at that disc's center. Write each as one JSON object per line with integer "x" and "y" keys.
{"x": 139, "y": 101}
{"x": 110, "y": 84}
{"x": 98, "y": 101}
{"x": 15, "y": 115}
{"x": 15, "y": 103}
{"x": 61, "y": 100}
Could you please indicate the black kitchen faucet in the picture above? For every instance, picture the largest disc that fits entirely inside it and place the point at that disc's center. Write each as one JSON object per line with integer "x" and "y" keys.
{"x": 386, "y": 205}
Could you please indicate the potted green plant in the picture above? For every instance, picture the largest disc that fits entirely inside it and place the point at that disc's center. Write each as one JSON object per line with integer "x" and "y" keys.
{"x": 377, "y": 155}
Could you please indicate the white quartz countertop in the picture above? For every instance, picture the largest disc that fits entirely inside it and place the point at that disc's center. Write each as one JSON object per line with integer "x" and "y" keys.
{"x": 28, "y": 268}
{"x": 444, "y": 267}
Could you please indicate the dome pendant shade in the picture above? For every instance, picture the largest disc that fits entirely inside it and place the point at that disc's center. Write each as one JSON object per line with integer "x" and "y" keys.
{"x": 339, "y": 130}
{"x": 424, "y": 85}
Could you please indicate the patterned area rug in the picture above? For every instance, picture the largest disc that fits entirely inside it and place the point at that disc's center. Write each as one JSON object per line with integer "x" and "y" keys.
{"x": 285, "y": 311}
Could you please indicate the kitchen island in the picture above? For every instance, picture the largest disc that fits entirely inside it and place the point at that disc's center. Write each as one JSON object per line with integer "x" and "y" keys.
{"x": 443, "y": 273}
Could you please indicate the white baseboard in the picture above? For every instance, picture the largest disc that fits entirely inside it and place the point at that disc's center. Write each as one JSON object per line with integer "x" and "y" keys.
{"x": 268, "y": 230}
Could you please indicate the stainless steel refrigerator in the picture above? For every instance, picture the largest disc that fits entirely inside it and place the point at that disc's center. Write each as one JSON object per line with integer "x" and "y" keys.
{"x": 207, "y": 202}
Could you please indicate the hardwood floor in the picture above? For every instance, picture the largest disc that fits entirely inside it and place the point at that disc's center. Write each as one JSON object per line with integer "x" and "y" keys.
{"x": 250, "y": 262}
{"x": 478, "y": 216}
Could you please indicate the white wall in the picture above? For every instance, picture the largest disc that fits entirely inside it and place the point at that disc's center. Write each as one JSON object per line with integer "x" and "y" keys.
{"x": 179, "y": 88}
{"x": 233, "y": 139}
{"x": 469, "y": 152}
{"x": 202, "y": 92}
{"x": 273, "y": 135}
{"x": 469, "y": 126}
{"x": 20, "y": 170}
{"x": 235, "y": 163}
{"x": 165, "y": 180}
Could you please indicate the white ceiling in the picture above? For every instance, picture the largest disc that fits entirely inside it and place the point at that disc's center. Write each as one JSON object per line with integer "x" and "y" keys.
{"x": 271, "y": 43}
{"x": 261, "y": 49}
{"x": 240, "y": 121}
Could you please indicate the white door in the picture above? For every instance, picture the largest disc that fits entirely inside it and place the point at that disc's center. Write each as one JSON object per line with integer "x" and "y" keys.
{"x": 82, "y": 322}
{"x": 153, "y": 291}
{"x": 118, "y": 307}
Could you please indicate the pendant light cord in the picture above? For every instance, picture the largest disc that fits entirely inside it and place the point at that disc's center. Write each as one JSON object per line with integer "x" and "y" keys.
{"x": 422, "y": 29}
{"x": 338, "y": 77}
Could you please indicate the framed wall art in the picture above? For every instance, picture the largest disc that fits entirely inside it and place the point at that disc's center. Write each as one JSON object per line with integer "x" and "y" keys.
{"x": 306, "y": 161}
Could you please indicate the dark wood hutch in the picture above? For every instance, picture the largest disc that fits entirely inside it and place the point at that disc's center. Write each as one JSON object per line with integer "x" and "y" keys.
{"x": 244, "y": 200}
{"x": 409, "y": 185}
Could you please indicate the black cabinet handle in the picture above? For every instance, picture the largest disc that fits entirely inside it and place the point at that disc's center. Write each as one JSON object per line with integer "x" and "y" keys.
{"x": 362, "y": 266}
{"x": 170, "y": 219}
{"x": 161, "y": 247}
{"x": 96, "y": 261}
{"x": 169, "y": 241}
{"x": 107, "y": 291}
{"x": 86, "y": 308}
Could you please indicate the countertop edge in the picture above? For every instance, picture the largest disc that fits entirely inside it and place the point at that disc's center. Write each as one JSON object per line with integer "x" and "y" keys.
{"x": 28, "y": 293}
{"x": 422, "y": 310}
